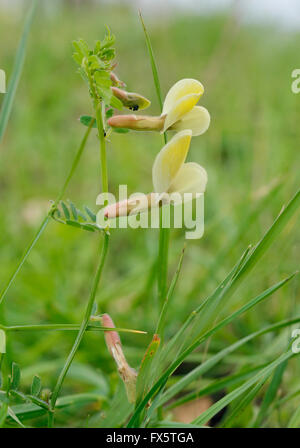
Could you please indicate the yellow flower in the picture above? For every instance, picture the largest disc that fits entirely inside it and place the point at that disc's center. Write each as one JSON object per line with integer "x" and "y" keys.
{"x": 179, "y": 112}
{"x": 170, "y": 174}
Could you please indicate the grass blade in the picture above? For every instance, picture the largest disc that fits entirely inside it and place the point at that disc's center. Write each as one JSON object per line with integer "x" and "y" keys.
{"x": 295, "y": 419}
{"x": 270, "y": 394}
{"x": 163, "y": 378}
{"x": 145, "y": 368}
{"x": 17, "y": 70}
{"x": 213, "y": 303}
{"x": 194, "y": 374}
{"x": 216, "y": 386}
{"x": 152, "y": 61}
{"x": 265, "y": 372}
{"x": 242, "y": 404}
{"x": 161, "y": 321}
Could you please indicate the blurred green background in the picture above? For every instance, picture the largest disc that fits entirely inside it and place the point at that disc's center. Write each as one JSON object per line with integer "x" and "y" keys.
{"x": 251, "y": 154}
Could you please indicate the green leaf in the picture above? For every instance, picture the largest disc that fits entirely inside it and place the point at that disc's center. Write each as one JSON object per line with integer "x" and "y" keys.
{"x": 36, "y": 386}
{"x": 86, "y": 120}
{"x": 102, "y": 78}
{"x": 15, "y": 376}
{"x": 78, "y": 217}
{"x": 91, "y": 214}
{"x": 109, "y": 113}
{"x": 73, "y": 223}
{"x": 115, "y": 103}
{"x": 13, "y": 416}
{"x": 65, "y": 210}
{"x": 120, "y": 130}
{"x": 43, "y": 404}
{"x": 3, "y": 413}
{"x": 16, "y": 73}
{"x": 74, "y": 211}
{"x": 29, "y": 411}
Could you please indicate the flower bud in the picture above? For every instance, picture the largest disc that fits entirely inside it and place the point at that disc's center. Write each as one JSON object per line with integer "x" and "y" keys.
{"x": 137, "y": 123}
{"x": 131, "y": 100}
{"x": 127, "y": 373}
{"x": 116, "y": 81}
{"x": 137, "y": 203}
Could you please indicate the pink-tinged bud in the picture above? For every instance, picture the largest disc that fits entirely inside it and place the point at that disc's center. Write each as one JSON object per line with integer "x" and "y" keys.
{"x": 116, "y": 81}
{"x": 131, "y": 100}
{"x": 137, "y": 123}
{"x": 111, "y": 337}
{"x": 117, "y": 209}
{"x": 137, "y": 204}
{"x": 127, "y": 373}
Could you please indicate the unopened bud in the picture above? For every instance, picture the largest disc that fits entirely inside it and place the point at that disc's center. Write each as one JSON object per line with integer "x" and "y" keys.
{"x": 116, "y": 81}
{"x": 127, "y": 373}
{"x": 131, "y": 100}
{"x": 137, "y": 123}
{"x": 138, "y": 203}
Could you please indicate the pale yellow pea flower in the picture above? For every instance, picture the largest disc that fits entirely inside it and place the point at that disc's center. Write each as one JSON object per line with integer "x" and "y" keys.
{"x": 170, "y": 174}
{"x": 179, "y": 112}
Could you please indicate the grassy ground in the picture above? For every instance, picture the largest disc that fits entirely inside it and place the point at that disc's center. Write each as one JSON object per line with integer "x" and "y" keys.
{"x": 251, "y": 153}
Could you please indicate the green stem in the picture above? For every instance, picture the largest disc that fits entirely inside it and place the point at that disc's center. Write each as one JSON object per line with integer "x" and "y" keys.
{"x": 163, "y": 254}
{"x": 164, "y": 233}
{"x": 64, "y": 327}
{"x": 48, "y": 216}
{"x": 161, "y": 321}
{"x": 82, "y": 329}
{"x": 88, "y": 311}
{"x": 100, "y": 127}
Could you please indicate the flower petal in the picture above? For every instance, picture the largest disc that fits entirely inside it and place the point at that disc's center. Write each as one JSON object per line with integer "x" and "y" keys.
{"x": 169, "y": 160}
{"x": 191, "y": 178}
{"x": 197, "y": 119}
{"x": 180, "y": 108}
{"x": 182, "y": 88}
